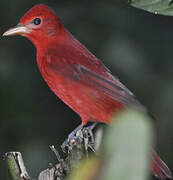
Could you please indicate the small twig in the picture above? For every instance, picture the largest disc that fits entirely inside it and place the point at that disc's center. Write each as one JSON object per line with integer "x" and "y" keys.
{"x": 56, "y": 153}
{"x": 63, "y": 167}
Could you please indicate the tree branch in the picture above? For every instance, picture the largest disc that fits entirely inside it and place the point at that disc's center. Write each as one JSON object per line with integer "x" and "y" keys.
{"x": 16, "y": 166}
{"x": 77, "y": 148}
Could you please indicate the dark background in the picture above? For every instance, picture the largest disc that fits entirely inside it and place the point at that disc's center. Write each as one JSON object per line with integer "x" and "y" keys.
{"x": 136, "y": 45}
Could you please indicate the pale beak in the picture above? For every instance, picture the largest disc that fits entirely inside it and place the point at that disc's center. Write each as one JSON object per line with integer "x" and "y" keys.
{"x": 17, "y": 30}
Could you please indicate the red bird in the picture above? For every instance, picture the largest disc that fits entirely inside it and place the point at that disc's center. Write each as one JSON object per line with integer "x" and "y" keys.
{"x": 75, "y": 75}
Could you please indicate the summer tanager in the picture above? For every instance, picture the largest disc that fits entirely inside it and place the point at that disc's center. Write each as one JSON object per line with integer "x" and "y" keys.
{"x": 75, "y": 75}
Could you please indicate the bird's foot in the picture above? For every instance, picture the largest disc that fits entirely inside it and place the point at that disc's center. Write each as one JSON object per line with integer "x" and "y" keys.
{"x": 71, "y": 136}
{"x": 81, "y": 133}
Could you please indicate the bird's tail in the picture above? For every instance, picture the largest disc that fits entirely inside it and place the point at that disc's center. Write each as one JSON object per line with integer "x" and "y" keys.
{"x": 160, "y": 169}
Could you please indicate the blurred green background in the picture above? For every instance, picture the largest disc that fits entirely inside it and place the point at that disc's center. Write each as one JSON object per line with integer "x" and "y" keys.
{"x": 137, "y": 46}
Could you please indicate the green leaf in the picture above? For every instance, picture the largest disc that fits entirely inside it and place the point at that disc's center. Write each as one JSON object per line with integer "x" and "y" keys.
{"x": 127, "y": 147}
{"x": 164, "y": 7}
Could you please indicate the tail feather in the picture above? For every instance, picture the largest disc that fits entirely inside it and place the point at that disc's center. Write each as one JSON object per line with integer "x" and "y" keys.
{"x": 160, "y": 169}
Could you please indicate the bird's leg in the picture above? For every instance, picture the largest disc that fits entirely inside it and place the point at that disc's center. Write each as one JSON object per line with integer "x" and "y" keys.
{"x": 89, "y": 130}
{"x": 89, "y": 137}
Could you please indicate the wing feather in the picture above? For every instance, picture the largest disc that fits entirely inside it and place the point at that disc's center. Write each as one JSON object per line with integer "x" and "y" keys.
{"x": 103, "y": 82}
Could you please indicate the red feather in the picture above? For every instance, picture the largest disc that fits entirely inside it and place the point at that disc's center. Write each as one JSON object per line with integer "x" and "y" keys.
{"x": 159, "y": 168}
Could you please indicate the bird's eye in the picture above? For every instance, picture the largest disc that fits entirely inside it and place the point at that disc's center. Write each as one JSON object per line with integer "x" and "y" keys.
{"x": 37, "y": 21}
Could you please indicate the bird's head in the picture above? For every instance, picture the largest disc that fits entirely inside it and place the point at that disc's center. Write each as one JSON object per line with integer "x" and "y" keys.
{"x": 39, "y": 24}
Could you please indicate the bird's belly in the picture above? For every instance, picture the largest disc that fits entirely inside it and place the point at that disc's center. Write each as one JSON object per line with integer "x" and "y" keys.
{"x": 90, "y": 103}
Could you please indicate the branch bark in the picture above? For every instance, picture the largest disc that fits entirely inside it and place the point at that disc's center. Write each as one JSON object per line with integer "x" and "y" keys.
{"x": 16, "y": 166}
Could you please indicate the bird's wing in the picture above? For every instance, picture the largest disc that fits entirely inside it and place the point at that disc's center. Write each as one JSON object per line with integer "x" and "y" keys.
{"x": 112, "y": 88}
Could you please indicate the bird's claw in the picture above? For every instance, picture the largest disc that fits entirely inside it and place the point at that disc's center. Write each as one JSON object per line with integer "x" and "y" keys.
{"x": 81, "y": 133}
{"x": 69, "y": 143}
{"x": 71, "y": 137}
